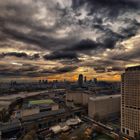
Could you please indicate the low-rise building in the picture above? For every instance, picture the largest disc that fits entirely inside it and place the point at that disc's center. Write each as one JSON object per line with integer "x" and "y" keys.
{"x": 25, "y": 112}
{"x": 4, "y": 104}
{"x": 35, "y": 107}
{"x": 78, "y": 97}
{"x": 46, "y": 105}
{"x": 104, "y": 106}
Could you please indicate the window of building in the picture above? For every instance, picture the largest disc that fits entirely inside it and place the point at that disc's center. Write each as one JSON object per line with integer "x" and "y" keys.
{"x": 135, "y": 134}
{"x": 127, "y": 132}
{"x": 123, "y": 130}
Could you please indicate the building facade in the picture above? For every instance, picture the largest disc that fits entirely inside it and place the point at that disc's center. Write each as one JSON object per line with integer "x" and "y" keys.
{"x": 80, "y": 80}
{"x": 78, "y": 97}
{"x": 104, "y": 106}
{"x": 130, "y": 102}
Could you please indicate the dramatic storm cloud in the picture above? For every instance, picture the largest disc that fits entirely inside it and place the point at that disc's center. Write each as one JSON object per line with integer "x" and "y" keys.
{"x": 62, "y": 38}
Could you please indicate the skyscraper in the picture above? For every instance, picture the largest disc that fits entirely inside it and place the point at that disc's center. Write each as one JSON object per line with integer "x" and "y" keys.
{"x": 130, "y": 103}
{"x": 95, "y": 80}
{"x": 80, "y": 80}
{"x": 85, "y": 79}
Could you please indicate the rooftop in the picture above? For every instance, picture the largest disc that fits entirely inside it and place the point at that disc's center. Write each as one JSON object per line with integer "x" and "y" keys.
{"x": 38, "y": 102}
{"x": 9, "y": 125}
{"x": 105, "y": 97}
{"x": 134, "y": 68}
{"x": 43, "y": 115}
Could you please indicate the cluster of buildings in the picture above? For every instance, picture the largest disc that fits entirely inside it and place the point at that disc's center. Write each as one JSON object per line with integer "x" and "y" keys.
{"x": 127, "y": 103}
{"x": 102, "y": 105}
{"x": 7, "y": 100}
{"x": 82, "y": 81}
{"x": 95, "y": 99}
{"x": 14, "y": 87}
{"x": 65, "y": 126}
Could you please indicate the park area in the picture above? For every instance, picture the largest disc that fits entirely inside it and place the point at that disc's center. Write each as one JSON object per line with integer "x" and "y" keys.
{"x": 103, "y": 137}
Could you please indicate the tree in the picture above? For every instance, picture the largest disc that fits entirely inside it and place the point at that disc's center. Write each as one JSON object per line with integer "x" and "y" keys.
{"x": 96, "y": 117}
{"x": 82, "y": 136}
{"x": 30, "y": 135}
{"x": 138, "y": 136}
{"x": 4, "y": 116}
{"x": 64, "y": 137}
{"x": 32, "y": 127}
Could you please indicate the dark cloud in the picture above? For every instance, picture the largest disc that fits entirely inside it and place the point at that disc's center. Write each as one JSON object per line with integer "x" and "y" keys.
{"x": 113, "y": 8}
{"x": 29, "y": 39}
{"x": 110, "y": 38}
{"x": 100, "y": 69}
{"x": 132, "y": 29}
{"x": 53, "y": 71}
{"x": 66, "y": 69}
{"x": 21, "y": 19}
{"x": 35, "y": 56}
{"x": 133, "y": 56}
{"x": 61, "y": 55}
{"x": 84, "y": 45}
{"x": 33, "y": 71}
{"x": 20, "y": 55}
{"x": 120, "y": 69}
{"x": 121, "y": 3}
{"x": 71, "y": 52}
{"x": 42, "y": 41}
{"x": 108, "y": 69}
{"x": 17, "y": 71}
{"x": 68, "y": 33}
{"x": 16, "y": 54}
{"x": 22, "y": 16}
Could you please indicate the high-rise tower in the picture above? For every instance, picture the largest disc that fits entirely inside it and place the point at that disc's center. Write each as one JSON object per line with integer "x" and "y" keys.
{"x": 80, "y": 80}
{"x": 130, "y": 102}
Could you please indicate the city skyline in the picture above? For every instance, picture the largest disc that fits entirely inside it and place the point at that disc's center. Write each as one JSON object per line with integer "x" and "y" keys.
{"x": 60, "y": 39}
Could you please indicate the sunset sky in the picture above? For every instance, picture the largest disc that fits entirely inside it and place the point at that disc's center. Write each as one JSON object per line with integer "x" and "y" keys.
{"x": 59, "y": 39}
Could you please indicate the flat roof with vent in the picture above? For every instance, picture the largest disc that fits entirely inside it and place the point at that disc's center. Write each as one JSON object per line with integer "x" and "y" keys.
{"x": 105, "y": 97}
{"x": 134, "y": 68}
{"x": 39, "y": 102}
